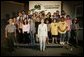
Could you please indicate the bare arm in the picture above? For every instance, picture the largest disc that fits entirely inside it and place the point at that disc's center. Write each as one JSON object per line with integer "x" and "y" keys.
{"x": 6, "y": 32}
{"x": 77, "y": 27}
{"x": 38, "y": 30}
{"x": 15, "y": 30}
{"x": 65, "y": 29}
{"x": 15, "y": 34}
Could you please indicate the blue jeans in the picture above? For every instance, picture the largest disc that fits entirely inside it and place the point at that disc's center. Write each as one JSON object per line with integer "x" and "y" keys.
{"x": 62, "y": 37}
{"x": 32, "y": 39}
{"x": 68, "y": 35}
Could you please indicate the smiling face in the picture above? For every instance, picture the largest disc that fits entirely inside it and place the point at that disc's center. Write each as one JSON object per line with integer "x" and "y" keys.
{"x": 42, "y": 21}
{"x": 75, "y": 20}
{"x": 54, "y": 20}
{"x": 57, "y": 12}
{"x": 20, "y": 14}
{"x": 23, "y": 12}
{"x": 38, "y": 19}
{"x": 29, "y": 12}
{"x": 10, "y": 21}
{"x": 47, "y": 21}
{"x": 62, "y": 19}
{"x": 14, "y": 19}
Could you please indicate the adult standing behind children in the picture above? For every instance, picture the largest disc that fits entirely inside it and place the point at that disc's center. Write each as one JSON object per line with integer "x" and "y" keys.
{"x": 62, "y": 30}
{"x": 10, "y": 34}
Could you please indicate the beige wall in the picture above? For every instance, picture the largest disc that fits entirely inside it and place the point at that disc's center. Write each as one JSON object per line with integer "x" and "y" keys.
{"x": 9, "y": 7}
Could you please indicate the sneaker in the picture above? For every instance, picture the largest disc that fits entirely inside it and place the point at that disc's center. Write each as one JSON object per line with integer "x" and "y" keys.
{"x": 71, "y": 49}
{"x": 48, "y": 43}
{"x": 60, "y": 42}
{"x": 56, "y": 42}
{"x": 41, "y": 50}
{"x": 52, "y": 42}
{"x": 67, "y": 42}
{"x": 63, "y": 43}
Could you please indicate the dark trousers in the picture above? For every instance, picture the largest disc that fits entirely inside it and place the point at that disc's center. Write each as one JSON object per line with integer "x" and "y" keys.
{"x": 49, "y": 35}
{"x": 58, "y": 38}
{"x": 19, "y": 36}
{"x": 26, "y": 37}
{"x": 68, "y": 36}
{"x": 10, "y": 41}
{"x": 74, "y": 38}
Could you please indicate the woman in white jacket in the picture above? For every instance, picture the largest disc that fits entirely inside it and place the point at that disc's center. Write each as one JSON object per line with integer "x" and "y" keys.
{"x": 42, "y": 34}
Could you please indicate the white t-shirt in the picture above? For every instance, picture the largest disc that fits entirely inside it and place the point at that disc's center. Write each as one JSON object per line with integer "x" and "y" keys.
{"x": 26, "y": 28}
{"x": 24, "y": 16}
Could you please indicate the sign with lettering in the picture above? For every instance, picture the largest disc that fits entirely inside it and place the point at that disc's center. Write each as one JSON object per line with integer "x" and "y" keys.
{"x": 47, "y": 6}
{"x": 51, "y": 6}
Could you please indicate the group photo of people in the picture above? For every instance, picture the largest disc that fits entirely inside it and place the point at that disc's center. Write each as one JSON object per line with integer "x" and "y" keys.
{"x": 41, "y": 28}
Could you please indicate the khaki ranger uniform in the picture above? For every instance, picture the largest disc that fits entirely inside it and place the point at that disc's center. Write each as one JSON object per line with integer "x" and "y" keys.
{"x": 10, "y": 28}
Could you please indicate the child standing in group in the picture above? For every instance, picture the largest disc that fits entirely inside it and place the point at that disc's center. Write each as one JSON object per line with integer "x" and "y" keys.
{"x": 68, "y": 33}
{"x": 62, "y": 30}
{"x": 49, "y": 33}
{"x": 75, "y": 28}
{"x": 32, "y": 31}
{"x": 26, "y": 31}
{"x": 54, "y": 30}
